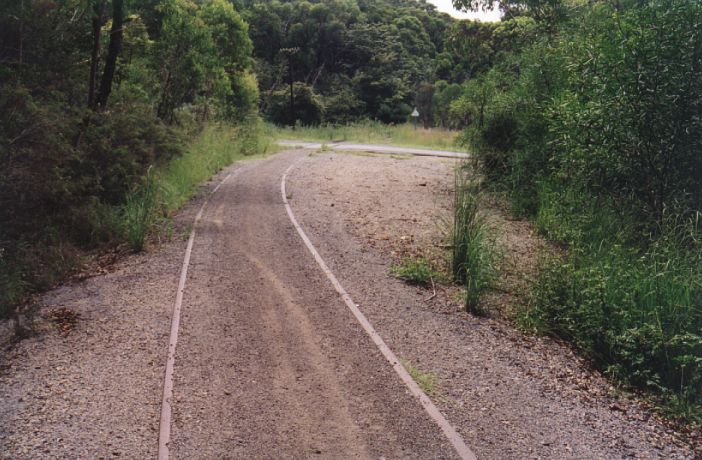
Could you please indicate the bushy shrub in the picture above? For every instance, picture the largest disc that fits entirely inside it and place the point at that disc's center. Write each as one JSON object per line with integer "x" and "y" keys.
{"x": 243, "y": 102}
{"x": 444, "y": 96}
{"x": 594, "y": 130}
{"x": 76, "y": 139}
{"x": 307, "y": 106}
{"x": 638, "y": 314}
{"x": 628, "y": 125}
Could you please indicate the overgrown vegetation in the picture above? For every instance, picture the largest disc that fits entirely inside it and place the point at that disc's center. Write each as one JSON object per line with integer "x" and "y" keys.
{"x": 594, "y": 130}
{"x": 374, "y": 132}
{"x": 93, "y": 95}
{"x": 164, "y": 191}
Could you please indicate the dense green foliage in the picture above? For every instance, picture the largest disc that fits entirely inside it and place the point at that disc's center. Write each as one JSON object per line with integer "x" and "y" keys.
{"x": 347, "y": 59}
{"x": 92, "y": 95}
{"x": 594, "y": 129}
{"x": 165, "y": 190}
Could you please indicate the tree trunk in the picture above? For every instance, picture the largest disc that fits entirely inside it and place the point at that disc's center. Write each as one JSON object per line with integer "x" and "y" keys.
{"x": 98, "y": 18}
{"x": 292, "y": 96}
{"x": 112, "y": 53}
{"x": 21, "y": 34}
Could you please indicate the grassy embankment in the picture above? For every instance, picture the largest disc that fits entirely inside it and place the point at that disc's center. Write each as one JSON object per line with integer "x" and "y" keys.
{"x": 631, "y": 302}
{"x": 373, "y": 132}
{"x": 145, "y": 211}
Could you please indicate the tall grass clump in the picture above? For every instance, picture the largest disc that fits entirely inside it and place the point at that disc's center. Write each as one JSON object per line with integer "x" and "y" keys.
{"x": 139, "y": 211}
{"x": 473, "y": 257}
{"x": 375, "y": 132}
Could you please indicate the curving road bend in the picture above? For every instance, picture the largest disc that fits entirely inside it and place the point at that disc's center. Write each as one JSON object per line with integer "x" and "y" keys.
{"x": 374, "y": 148}
{"x": 270, "y": 363}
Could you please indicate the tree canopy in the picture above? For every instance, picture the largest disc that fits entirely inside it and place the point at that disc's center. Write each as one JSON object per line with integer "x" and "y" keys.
{"x": 362, "y": 59}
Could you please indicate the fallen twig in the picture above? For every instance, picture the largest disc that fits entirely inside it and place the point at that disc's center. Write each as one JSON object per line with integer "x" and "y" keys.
{"x": 433, "y": 287}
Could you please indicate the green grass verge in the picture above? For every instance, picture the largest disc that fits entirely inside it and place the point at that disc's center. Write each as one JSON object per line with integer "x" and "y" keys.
{"x": 373, "y": 132}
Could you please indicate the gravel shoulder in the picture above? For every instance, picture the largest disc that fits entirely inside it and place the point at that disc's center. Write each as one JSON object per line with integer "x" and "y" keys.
{"x": 95, "y": 392}
{"x": 510, "y": 395}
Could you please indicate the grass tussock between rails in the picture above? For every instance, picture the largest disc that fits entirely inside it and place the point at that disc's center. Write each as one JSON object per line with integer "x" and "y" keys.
{"x": 373, "y": 132}
{"x": 54, "y": 252}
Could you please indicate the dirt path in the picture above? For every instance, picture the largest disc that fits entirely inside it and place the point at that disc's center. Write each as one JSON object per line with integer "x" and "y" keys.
{"x": 271, "y": 363}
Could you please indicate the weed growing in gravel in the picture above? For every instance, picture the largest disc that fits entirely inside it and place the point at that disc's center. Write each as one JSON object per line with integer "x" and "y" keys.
{"x": 415, "y": 271}
{"x": 426, "y": 381}
{"x": 474, "y": 254}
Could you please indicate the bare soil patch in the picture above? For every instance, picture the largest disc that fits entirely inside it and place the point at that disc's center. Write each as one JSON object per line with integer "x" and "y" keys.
{"x": 509, "y": 394}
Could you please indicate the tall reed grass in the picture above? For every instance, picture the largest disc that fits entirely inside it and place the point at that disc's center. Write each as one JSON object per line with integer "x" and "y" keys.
{"x": 138, "y": 211}
{"x": 474, "y": 253}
